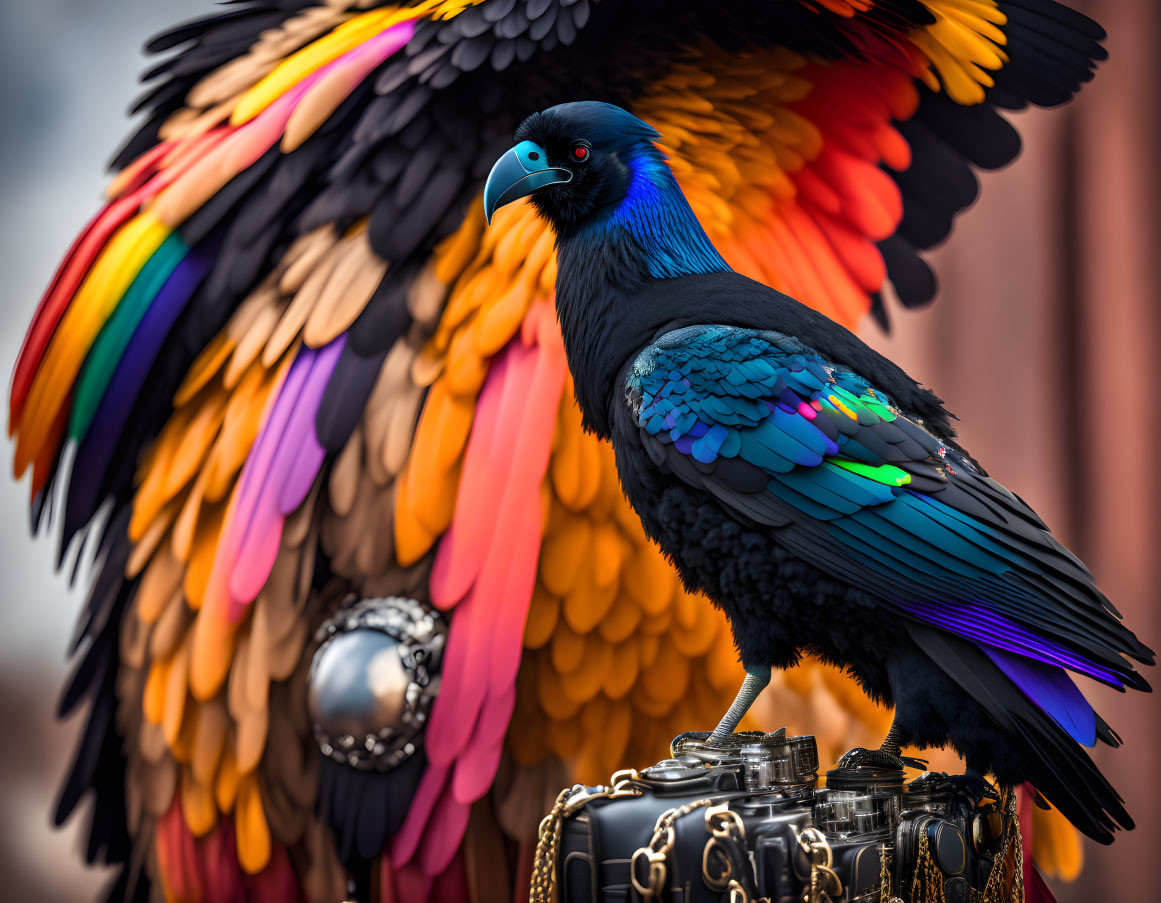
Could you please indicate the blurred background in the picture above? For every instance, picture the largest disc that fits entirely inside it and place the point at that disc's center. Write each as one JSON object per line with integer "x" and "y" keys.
{"x": 1043, "y": 342}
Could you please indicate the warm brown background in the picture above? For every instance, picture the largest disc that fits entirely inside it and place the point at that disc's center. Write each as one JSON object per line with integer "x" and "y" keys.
{"x": 1043, "y": 341}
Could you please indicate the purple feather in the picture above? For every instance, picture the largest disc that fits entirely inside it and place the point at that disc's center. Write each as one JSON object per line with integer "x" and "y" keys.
{"x": 1051, "y": 689}
{"x": 978, "y": 623}
{"x": 100, "y": 443}
{"x": 279, "y": 472}
{"x": 301, "y": 441}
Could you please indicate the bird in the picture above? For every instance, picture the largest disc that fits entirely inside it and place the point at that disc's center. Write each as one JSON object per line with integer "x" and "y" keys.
{"x": 809, "y": 487}
{"x": 287, "y": 366}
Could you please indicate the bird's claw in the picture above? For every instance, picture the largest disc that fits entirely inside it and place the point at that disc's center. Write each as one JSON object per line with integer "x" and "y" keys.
{"x": 696, "y": 742}
{"x": 878, "y": 758}
{"x": 971, "y": 786}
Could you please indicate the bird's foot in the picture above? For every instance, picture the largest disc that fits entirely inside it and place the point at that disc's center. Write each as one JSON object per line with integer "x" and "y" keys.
{"x": 712, "y": 744}
{"x": 861, "y": 757}
{"x": 971, "y": 786}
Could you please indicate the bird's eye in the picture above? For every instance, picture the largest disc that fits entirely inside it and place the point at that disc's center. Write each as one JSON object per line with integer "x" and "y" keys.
{"x": 580, "y": 152}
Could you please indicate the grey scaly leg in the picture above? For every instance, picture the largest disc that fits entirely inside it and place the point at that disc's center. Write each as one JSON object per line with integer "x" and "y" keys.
{"x": 756, "y": 680}
{"x": 892, "y": 743}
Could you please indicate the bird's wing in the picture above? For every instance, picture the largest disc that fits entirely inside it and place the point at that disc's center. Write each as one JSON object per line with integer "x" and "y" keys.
{"x": 791, "y": 441}
{"x": 286, "y": 360}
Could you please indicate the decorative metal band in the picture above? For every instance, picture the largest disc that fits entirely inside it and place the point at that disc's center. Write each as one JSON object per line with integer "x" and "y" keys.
{"x": 373, "y": 680}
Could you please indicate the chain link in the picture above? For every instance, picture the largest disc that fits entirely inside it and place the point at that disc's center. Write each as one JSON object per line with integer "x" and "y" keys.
{"x": 543, "y": 884}
{"x": 656, "y": 852}
{"x": 825, "y": 886}
{"x": 885, "y": 877}
{"x": 724, "y": 827}
{"x": 1014, "y": 847}
{"x": 927, "y": 882}
{"x": 547, "y": 845}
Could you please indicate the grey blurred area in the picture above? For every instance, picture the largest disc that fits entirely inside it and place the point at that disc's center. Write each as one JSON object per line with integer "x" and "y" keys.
{"x": 68, "y": 71}
{"x": 1052, "y": 281}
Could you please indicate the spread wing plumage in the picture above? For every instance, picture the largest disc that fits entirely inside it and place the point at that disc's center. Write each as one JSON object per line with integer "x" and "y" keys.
{"x": 285, "y": 361}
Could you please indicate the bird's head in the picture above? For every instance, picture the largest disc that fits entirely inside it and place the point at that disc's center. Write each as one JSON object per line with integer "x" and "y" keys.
{"x": 572, "y": 159}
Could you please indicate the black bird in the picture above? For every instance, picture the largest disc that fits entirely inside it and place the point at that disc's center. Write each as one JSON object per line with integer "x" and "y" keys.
{"x": 809, "y": 486}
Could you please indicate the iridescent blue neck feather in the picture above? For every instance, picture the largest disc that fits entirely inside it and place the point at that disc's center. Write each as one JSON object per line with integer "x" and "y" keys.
{"x": 606, "y": 259}
{"x": 658, "y": 217}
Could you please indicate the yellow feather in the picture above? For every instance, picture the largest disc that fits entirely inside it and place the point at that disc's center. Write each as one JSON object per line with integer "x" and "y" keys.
{"x": 587, "y": 604}
{"x": 253, "y": 832}
{"x": 621, "y": 675}
{"x": 227, "y": 779}
{"x": 543, "y": 614}
{"x": 310, "y": 59}
{"x": 550, "y": 692}
{"x": 176, "y": 685}
{"x": 153, "y": 702}
{"x": 207, "y": 365}
{"x": 564, "y": 552}
{"x": 201, "y": 555}
{"x": 1055, "y": 845}
{"x": 621, "y": 620}
{"x": 197, "y": 805}
{"x": 586, "y": 680}
{"x": 95, "y": 300}
{"x": 567, "y": 650}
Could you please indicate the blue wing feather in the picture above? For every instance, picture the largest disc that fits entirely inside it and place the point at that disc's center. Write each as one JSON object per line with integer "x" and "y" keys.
{"x": 838, "y": 461}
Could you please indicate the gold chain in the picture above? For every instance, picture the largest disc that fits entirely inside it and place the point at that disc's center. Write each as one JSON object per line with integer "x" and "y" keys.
{"x": 1014, "y": 823}
{"x": 885, "y": 877}
{"x": 927, "y": 882}
{"x": 547, "y": 844}
{"x": 825, "y": 886}
{"x": 543, "y": 885}
{"x": 1013, "y": 846}
{"x": 723, "y": 825}
{"x": 656, "y": 852}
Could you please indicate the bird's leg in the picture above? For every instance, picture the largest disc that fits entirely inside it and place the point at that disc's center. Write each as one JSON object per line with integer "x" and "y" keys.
{"x": 892, "y": 743}
{"x": 723, "y": 737}
{"x": 757, "y": 678}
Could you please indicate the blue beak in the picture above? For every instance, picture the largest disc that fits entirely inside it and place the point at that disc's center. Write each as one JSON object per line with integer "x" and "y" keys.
{"x": 517, "y": 174}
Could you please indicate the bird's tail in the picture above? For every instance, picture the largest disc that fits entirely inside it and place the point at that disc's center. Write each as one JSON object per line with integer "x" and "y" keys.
{"x": 1047, "y": 719}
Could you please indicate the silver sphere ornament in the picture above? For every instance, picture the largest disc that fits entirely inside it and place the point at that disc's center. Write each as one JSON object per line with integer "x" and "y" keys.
{"x": 373, "y": 680}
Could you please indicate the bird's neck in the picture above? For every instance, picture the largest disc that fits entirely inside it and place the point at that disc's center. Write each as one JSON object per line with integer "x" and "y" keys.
{"x": 604, "y": 262}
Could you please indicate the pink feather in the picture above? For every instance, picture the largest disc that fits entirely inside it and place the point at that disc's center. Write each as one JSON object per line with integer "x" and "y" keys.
{"x": 462, "y": 687}
{"x": 513, "y": 593}
{"x": 462, "y": 549}
{"x": 488, "y": 576}
{"x": 444, "y": 832}
{"x": 408, "y": 884}
{"x": 476, "y": 766}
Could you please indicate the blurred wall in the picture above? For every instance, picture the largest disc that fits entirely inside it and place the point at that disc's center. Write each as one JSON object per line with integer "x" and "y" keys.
{"x": 1042, "y": 342}
{"x": 68, "y": 70}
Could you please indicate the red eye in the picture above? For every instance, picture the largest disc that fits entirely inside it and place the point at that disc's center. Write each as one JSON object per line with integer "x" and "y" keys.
{"x": 580, "y": 153}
